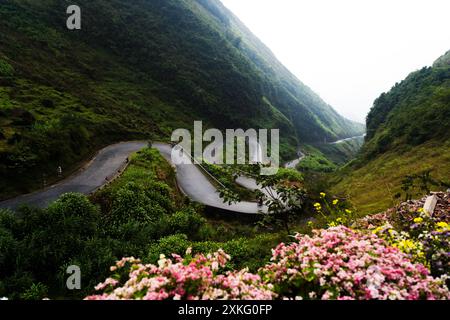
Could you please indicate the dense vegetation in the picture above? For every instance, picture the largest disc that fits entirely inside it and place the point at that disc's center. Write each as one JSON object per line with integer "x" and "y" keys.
{"x": 137, "y": 69}
{"x": 413, "y": 112}
{"x": 140, "y": 214}
{"x": 408, "y": 132}
{"x": 143, "y": 68}
{"x": 315, "y": 161}
{"x": 401, "y": 254}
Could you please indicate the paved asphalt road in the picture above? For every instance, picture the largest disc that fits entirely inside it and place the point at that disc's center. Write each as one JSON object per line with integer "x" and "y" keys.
{"x": 293, "y": 164}
{"x": 109, "y": 160}
{"x": 250, "y": 183}
{"x": 197, "y": 187}
{"x": 105, "y": 164}
{"x": 348, "y": 139}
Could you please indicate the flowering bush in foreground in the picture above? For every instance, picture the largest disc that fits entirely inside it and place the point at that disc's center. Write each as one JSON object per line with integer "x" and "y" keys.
{"x": 423, "y": 236}
{"x": 337, "y": 263}
{"x": 340, "y": 263}
{"x": 195, "y": 278}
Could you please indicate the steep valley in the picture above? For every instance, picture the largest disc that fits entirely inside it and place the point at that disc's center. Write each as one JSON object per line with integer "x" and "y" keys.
{"x": 138, "y": 70}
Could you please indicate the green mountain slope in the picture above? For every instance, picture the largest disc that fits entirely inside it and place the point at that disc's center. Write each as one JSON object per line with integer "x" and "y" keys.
{"x": 314, "y": 120}
{"x": 413, "y": 112}
{"x": 138, "y": 68}
{"x": 408, "y": 132}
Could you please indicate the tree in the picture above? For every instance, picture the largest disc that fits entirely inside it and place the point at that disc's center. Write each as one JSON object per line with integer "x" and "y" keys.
{"x": 282, "y": 194}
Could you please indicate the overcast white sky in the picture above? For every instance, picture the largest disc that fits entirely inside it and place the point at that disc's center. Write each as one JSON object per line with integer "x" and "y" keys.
{"x": 350, "y": 51}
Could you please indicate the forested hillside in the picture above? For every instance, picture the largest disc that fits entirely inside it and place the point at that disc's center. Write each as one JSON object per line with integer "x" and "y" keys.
{"x": 408, "y": 135}
{"x": 137, "y": 69}
{"x": 413, "y": 112}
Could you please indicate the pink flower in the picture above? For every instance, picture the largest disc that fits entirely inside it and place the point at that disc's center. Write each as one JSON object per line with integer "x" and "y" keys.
{"x": 338, "y": 263}
{"x": 352, "y": 265}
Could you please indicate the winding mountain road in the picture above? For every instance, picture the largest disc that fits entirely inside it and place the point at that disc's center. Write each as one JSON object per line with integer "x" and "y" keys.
{"x": 110, "y": 160}
{"x": 348, "y": 139}
{"x": 194, "y": 184}
{"x": 105, "y": 165}
{"x": 293, "y": 164}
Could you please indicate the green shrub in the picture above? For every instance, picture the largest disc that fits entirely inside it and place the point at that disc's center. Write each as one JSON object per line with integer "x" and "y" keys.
{"x": 177, "y": 244}
{"x": 6, "y": 70}
{"x": 141, "y": 203}
{"x": 289, "y": 175}
{"x": 251, "y": 253}
{"x": 8, "y": 251}
{"x": 75, "y": 205}
{"x": 186, "y": 221}
{"x": 35, "y": 292}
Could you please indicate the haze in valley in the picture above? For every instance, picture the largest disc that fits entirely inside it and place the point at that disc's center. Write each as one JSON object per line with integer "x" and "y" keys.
{"x": 350, "y": 51}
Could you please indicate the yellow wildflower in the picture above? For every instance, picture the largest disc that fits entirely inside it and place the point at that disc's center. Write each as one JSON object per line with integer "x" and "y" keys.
{"x": 348, "y": 211}
{"x": 407, "y": 245}
{"x": 318, "y": 207}
{"x": 335, "y": 202}
{"x": 332, "y": 224}
{"x": 377, "y": 230}
{"x": 322, "y": 194}
{"x": 418, "y": 220}
{"x": 442, "y": 226}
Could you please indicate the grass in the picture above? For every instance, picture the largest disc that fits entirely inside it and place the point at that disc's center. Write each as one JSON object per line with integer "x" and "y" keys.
{"x": 372, "y": 187}
{"x": 145, "y": 166}
{"x": 315, "y": 161}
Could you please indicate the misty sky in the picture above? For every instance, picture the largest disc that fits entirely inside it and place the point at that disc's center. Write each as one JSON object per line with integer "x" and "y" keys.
{"x": 350, "y": 51}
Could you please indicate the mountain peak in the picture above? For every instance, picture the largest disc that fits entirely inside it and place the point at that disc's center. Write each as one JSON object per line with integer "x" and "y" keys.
{"x": 443, "y": 61}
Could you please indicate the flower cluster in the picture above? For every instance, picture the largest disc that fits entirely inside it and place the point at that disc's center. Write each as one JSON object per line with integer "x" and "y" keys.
{"x": 340, "y": 263}
{"x": 332, "y": 214}
{"x": 403, "y": 241}
{"x": 196, "y": 278}
{"x": 423, "y": 236}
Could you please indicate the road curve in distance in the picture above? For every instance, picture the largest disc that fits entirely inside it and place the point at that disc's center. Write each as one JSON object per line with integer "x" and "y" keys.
{"x": 194, "y": 184}
{"x": 293, "y": 163}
